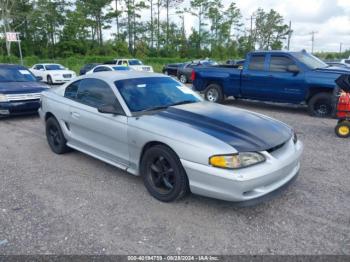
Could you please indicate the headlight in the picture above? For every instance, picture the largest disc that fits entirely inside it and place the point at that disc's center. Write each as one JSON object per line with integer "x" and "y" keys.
{"x": 236, "y": 161}
{"x": 3, "y": 98}
{"x": 295, "y": 138}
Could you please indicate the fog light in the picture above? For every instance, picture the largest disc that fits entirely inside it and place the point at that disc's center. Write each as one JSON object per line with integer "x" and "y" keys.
{"x": 4, "y": 112}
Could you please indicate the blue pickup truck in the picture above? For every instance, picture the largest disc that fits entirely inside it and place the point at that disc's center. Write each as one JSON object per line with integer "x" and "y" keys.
{"x": 20, "y": 90}
{"x": 275, "y": 76}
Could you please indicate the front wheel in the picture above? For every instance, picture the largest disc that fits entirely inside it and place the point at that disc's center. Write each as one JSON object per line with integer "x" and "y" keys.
{"x": 214, "y": 94}
{"x": 49, "y": 80}
{"x": 163, "y": 174}
{"x": 342, "y": 130}
{"x": 320, "y": 105}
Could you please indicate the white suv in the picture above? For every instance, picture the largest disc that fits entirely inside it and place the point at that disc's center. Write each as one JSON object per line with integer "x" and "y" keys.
{"x": 134, "y": 64}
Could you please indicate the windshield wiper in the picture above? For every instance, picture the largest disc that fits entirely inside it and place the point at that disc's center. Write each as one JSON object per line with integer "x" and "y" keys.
{"x": 154, "y": 108}
{"x": 183, "y": 102}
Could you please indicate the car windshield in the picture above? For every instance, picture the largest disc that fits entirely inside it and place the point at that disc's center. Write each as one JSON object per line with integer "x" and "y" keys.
{"x": 151, "y": 93}
{"x": 121, "y": 68}
{"x": 135, "y": 62}
{"x": 16, "y": 75}
{"x": 310, "y": 60}
{"x": 54, "y": 67}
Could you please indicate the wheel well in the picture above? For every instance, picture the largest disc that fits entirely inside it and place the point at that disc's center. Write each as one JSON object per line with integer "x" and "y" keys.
{"x": 207, "y": 84}
{"x": 314, "y": 91}
{"x": 48, "y": 115}
{"x": 150, "y": 145}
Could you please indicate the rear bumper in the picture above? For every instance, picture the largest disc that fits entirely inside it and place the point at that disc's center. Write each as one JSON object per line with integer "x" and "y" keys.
{"x": 248, "y": 184}
{"x": 20, "y": 107}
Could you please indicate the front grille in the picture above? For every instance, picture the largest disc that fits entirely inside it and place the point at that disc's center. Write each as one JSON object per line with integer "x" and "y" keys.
{"x": 23, "y": 97}
{"x": 145, "y": 68}
{"x": 67, "y": 75}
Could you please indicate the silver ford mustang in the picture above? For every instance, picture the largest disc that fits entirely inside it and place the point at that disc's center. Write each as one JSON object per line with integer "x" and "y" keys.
{"x": 151, "y": 125}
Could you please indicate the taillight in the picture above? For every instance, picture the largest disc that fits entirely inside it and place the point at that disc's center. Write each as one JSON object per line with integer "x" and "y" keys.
{"x": 193, "y": 75}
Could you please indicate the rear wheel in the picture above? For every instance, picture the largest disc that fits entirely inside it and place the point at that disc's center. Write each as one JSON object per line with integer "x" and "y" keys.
{"x": 49, "y": 80}
{"x": 214, "y": 94}
{"x": 342, "y": 130}
{"x": 163, "y": 174}
{"x": 320, "y": 105}
{"x": 55, "y": 137}
{"x": 183, "y": 79}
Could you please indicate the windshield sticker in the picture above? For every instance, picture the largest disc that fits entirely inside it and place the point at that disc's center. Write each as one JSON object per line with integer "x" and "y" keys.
{"x": 24, "y": 72}
{"x": 141, "y": 85}
{"x": 184, "y": 89}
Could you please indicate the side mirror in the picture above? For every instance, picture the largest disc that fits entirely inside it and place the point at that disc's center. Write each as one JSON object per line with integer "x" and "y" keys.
{"x": 114, "y": 109}
{"x": 38, "y": 78}
{"x": 293, "y": 69}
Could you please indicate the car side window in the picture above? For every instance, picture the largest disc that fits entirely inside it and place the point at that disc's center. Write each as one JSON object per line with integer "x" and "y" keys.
{"x": 101, "y": 69}
{"x": 71, "y": 90}
{"x": 257, "y": 62}
{"x": 120, "y": 62}
{"x": 95, "y": 93}
{"x": 38, "y": 67}
{"x": 280, "y": 63}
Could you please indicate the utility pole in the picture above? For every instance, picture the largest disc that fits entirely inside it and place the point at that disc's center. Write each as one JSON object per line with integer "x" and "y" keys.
{"x": 313, "y": 40}
{"x": 340, "y": 48}
{"x": 290, "y": 31}
{"x": 251, "y": 29}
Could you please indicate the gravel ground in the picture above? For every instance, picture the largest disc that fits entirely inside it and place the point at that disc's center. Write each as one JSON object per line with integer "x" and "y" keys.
{"x": 74, "y": 204}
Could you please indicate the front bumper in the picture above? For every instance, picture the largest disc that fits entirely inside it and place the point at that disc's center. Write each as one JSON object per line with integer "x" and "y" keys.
{"x": 249, "y": 183}
{"x": 19, "y": 107}
{"x": 59, "y": 80}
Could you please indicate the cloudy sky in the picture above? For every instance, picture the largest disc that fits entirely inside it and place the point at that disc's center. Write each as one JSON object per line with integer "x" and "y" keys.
{"x": 329, "y": 18}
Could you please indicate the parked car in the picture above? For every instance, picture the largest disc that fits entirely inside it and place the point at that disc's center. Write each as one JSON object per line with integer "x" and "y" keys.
{"x": 171, "y": 69}
{"x": 135, "y": 64}
{"x": 184, "y": 72}
{"x": 151, "y": 125}
{"x": 19, "y": 90}
{"x": 104, "y": 68}
{"x": 277, "y": 76}
{"x": 345, "y": 61}
{"x": 338, "y": 64}
{"x": 87, "y": 68}
{"x": 53, "y": 73}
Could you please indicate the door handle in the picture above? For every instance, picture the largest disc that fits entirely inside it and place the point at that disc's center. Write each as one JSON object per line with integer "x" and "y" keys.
{"x": 74, "y": 115}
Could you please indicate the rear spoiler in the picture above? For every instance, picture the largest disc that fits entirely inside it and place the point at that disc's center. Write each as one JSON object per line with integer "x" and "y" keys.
{"x": 344, "y": 82}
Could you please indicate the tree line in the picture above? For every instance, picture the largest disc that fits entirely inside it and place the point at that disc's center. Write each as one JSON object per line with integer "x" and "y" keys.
{"x": 141, "y": 28}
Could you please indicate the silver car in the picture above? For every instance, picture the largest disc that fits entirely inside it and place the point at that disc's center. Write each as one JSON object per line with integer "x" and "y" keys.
{"x": 153, "y": 126}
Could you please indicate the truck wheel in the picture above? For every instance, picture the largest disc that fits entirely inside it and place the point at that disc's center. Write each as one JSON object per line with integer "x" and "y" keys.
{"x": 214, "y": 94}
{"x": 342, "y": 130}
{"x": 320, "y": 105}
{"x": 183, "y": 79}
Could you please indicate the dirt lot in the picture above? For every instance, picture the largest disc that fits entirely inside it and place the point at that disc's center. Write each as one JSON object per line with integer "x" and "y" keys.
{"x": 74, "y": 204}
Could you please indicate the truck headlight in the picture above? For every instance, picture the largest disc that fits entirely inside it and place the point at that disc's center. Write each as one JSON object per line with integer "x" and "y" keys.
{"x": 236, "y": 161}
{"x": 3, "y": 98}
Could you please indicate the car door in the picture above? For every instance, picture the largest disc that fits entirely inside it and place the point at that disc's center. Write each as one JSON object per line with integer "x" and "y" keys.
{"x": 39, "y": 70}
{"x": 284, "y": 84}
{"x": 103, "y": 135}
{"x": 254, "y": 83}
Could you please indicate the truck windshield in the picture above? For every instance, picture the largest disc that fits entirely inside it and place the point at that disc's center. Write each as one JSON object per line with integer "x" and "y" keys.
{"x": 151, "y": 93}
{"x": 135, "y": 62}
{"x": 310, "y": 61}
{"x": 16, "y": 75}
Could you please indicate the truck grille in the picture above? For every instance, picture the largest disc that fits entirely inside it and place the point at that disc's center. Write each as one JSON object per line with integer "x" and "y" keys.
{"x": 22, "y": 97}
{"x": 145, "y": 68}
{"x": 67, "y": 75}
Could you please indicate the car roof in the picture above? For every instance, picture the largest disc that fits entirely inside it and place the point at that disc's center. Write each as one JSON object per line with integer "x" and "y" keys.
{"x": 122, "y": 75}
{"x": 12, "y": 66}
{"x": 48, "y": 64}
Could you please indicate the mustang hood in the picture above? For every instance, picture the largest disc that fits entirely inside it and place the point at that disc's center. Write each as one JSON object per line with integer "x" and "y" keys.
{"x": 22, "y": 87}
{"x": 244, "y": 130}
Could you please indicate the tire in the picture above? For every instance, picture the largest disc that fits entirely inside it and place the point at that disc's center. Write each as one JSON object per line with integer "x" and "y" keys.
{"x": 214, "y": 94}
{"x": 321, "y": 105}
{"x": 49, "y": 80}
{"x": 342, "y": 130}
{"x": 183, "y": 79}
{"x": 163, "y": 174}
{"x": 55, "y": 137}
